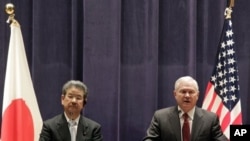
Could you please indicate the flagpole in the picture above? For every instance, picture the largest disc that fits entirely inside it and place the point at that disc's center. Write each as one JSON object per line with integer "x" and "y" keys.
{"x": 231, "y": 4}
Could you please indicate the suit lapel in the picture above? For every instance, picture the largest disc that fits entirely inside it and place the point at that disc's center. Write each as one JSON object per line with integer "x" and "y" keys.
{"x": 175, "y": 123}
{"x": 82, "y": 129}
{"x": 63, "y": 129}
{"x": 197, "y": 123}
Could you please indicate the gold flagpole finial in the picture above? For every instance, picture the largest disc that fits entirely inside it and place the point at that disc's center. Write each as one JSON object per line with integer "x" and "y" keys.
{"x": 229, "y": 10}
{"x": 9, "y": 9}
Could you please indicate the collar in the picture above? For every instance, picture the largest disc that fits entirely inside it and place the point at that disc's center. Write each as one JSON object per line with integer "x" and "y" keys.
{"x": 68, "y": 119}
{"x": 190, "y": 113}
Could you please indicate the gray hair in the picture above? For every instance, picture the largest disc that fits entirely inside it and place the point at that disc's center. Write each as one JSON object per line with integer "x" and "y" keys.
{"x": 185, "y": 79}
{"x": 75, "y": 83}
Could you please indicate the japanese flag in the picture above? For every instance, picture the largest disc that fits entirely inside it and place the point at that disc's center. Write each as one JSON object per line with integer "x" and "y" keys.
{"x": 21, "y": 118}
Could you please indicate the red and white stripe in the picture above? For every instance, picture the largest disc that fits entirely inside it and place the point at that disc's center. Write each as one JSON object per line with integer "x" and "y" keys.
{"x": 212, "y": 102}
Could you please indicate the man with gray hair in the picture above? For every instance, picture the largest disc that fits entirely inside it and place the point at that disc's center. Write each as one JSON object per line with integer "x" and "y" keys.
{"x": 71, "y": 125}
{"x": 185, "y": 121}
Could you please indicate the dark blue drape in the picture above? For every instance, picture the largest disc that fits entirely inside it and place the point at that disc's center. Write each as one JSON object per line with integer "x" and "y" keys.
{"x": 128, "y": 52}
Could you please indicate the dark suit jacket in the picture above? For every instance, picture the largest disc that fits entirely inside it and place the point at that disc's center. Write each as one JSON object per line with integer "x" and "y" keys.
{"x": 165, "y": 126}
{"x": 56, "y": 129}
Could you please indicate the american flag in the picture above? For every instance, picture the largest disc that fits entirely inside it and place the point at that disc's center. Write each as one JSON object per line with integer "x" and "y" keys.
{"x": 222, "y": 93}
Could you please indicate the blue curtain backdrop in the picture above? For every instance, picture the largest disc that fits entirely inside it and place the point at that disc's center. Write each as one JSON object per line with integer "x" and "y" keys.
{"x": 128, "y": 52}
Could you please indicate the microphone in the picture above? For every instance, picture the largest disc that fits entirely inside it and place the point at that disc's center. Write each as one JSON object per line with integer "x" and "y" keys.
{"x": 179, "y": 111}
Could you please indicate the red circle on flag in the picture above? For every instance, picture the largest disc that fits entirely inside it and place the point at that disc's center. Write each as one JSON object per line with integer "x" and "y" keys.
{"x": 17, "y": 123}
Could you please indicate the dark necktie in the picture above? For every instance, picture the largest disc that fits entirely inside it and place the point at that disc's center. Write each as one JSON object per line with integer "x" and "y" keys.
{"x": 185, "y": 128}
